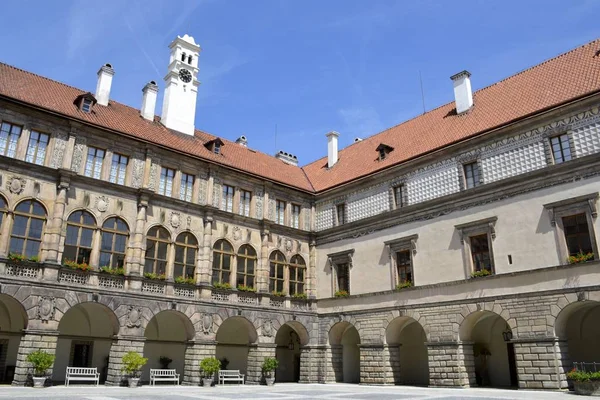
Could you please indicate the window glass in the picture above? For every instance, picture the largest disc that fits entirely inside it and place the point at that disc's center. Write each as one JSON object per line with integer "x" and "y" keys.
{"x": 404, "y": 266}
{"x": 118, "y": 169}
{"x": 245, "y": 198}
{"x": 277, "y": 265}
{"x": 577, "y": 234}
{"x": 186, "y": 247}
{"x": 222, "y": 254}
{"x": 186, "y": 187}
{"x": 471, "y": 175}
{"x": 165, "y": 186}
{"x": 341, "y": 214}
{"x": 78, "y": 242}
{"x": 280, "y": 212}
{"x": 296, "y": 216}
{"x": 36, "y": 149}
{"x": 9, "y": 137}
{"x": 113, "y": 243}
{"x": 296, "y": 268}
{"x": 561, "y": 149}
{"x": 343, "y": 277}
{"x": 398, "y": 193}
{"x": 27, "y": 229}
{"x": 157, "y": 242}
{"x": 246, "y": 262}
{"x": 93, "y": 164}
{"x": 227, "y": 200}
{"x": 480, "y": 251}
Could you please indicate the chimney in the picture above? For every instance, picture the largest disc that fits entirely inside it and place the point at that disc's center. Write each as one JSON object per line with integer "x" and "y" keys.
{"x": 332, "y": 148}
{"x": 105, "y": 76}
{"x": 150, "y": 92}
{"x": 463, "y": 96}
{"x": 242, "y": 141}
{"x": 287, "y": 157}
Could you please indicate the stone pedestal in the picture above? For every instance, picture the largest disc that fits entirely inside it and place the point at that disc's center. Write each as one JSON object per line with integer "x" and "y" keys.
{"x": 31, "y": 341}
{"x": 256, "y": 356}
{"x": 373, "y": 370}
{"x": 194, "y": 353}
{"x": 451, "y": 364}
{"x": 119, "y": 347}
{"x": 542, "y": 363}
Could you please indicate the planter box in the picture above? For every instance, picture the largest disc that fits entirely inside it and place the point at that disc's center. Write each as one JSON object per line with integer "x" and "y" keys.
{"x": 590, "y": 388}
{"x": 73, "y": 276}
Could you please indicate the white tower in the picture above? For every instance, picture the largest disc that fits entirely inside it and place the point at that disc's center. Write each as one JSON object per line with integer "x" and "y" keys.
{"x": 181, "y": 85}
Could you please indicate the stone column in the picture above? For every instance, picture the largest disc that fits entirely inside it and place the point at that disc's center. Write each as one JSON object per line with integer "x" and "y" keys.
{"x": 31, "y": 341}
{"x": 256, "y": 354}
{"x": 393, "y": 366}
{"x": 542, "y": 363}
{"x": 205, "y": 272}
{"x": 136, "y": 246}
{"x": 372, "y": 365}
{"x": 262, "y": 275}
{"x": 6, "y": 224}
{"x": 451, "y": 364}
{"x": 95, "y": 253}
{"x": 120, "y": 346}
{"x": 52, "y": 233}
{"x": 195, "y": 352}
{"x": 311, "y": 281}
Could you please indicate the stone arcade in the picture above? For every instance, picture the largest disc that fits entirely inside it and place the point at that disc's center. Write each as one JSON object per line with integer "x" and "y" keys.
{"x": 456, "y": 249}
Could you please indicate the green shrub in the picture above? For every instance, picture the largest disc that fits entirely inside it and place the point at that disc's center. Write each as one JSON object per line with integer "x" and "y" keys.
{"x": 185, "y": 281}
{"x": 34, "y": 259}
{"x": 75, "y": 265}
{"x": 299, "y": 296}
{"x": 481, "y": 273}
{"x": 270, "y": 364}
{"x": 219, "y": 285}
{"x": 580, "y": 258}
{"x": 112, "y": 271}
{"x": 133, "y": 363}
{"x": 404, "y": 285}
{"x": 16, "y": 257}
{"x": 210, "y": 366}
{"x": 341, "y": 293}
{"x": 279, "y": 294}
{"x": 244, "y": 288}
{"x": 583, "y": 376}
{"x": 154, "y": 276}
{"x": 41, "y": 361}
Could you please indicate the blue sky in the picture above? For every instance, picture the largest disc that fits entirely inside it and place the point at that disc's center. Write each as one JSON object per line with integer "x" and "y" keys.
{"x": 305, "y": 67}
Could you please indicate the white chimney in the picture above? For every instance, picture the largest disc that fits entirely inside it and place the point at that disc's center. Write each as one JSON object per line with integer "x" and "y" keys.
{"x": 105, "y": 76}
{"x": 150, "y": 93}
{"x": 332, "y": 148}
{"x": 463, "y": 96}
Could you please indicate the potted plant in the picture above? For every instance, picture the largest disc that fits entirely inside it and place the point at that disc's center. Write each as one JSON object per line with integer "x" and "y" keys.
{"x": 41, "y": 362}
{"x": 208, "y": 368}
{"x": 585, "y": 383}
{"x": 341, "y": 293}
{"x": 269, "y": 366}
{"x": 132, "y": 366}
{"x": 221, "y": 286}
{"x": 164, "y": 362}
{"x": 403, "y": 285}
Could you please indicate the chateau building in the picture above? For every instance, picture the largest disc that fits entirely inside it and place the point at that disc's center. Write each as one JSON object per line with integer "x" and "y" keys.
{"x": 458, "y": 248}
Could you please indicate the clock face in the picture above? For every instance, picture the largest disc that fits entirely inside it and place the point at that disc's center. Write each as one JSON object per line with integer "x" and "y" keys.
{"x": 185, "y": 75}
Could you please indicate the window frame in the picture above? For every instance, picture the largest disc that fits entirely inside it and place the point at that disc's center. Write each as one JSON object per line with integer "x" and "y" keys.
{"x": 577, "y": 235}
{"x": 340, "y": 221}
{"x": 473, "y": 229}
{"x": 37, "y": 147}
{"x": 186, "y": 188}
{"x": 274, "y": 280}
{"x": 156, "y": 261}
{"x": 7, "y": 152}
{"x": 187, "y": 247}
{"x": 296, "y": 217}
{"x": 80, "y": 225}
{"x": 293, "y": 269}
{"x": 163, "y": 188}
{"x": 395, "y": 246}
{"x": 221, "y": 253}
{"x": 243, "y": 201}
{"x": 339, "y": 260}
{"x": 119, "y": 166}
{"x": 280, "y": 207}
{"x": 476, "y": 175}
{"x": 26, "y": 237}
{"x": 115, "y": 232}
{"x": 95, "y": 169}
{"x": 242, "y": 266}
{"x": 227, "y": 197}
{"x": 551, "y": 158}
{"x": 584, "y": 204}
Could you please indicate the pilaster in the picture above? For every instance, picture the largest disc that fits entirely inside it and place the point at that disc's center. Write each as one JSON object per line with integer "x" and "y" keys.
{"x": 120, "y": 346}
{"x": 256, "y": 355}
{"x": 195, "y": 352}
{"x": 451, "y": 364}
{"x": 542, "y": 363}
{"x": 31, "y": 341}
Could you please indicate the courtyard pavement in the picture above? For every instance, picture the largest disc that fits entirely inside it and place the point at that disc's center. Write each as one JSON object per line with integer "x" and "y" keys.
{"x": 282, "y": 391}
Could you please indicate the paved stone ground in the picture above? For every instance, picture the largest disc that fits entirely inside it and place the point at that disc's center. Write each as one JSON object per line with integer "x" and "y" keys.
{"x": 290, "y": 391}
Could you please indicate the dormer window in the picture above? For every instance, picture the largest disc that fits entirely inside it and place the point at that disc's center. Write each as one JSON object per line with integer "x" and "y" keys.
{"x": 384, "y": 150}
{"x": 214, "y": 145}
{"x": 85, "y": 102}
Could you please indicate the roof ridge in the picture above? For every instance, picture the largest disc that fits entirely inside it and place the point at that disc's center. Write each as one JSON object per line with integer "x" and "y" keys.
{"x": 477, "y": 91}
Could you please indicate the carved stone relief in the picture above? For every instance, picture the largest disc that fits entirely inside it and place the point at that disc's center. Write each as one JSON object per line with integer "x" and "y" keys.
{"x": 237, "y": 233}
{"x": 46, "y": 308}
{"x": 216, "y": 200}
{"x": 175, "y": 219}
{"x": 207, "y": 323}
{"x": 258, "y": 198}
{"x": 137, "y": 172}
{"x": 134, "y": 317}
{"x": 78, "y": 153}
{"x": 102, "y": 203}
{"x": 153, "y": 173}
{"x": 271, "y": 210}
{"x": 58, "y": 154}
{"x": 267, "y": 328}
{"x": 16, "y": 184}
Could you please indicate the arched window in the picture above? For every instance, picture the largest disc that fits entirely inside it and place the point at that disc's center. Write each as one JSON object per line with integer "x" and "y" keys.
{"x": 297, "y": 275}
{"x": 27, "y": 229}
{"x": 277, "y": 272}
{"x": 157, "y": 245}
{"x": 190, "y": 60}
{"x": 222, "y": 257}
{"x": 80, "y": 232}
{"x": 183, "y": 56}
{"x": 186, "y": 248}
{"x": 113, "y": 243}
{"x": 246, "y": 265}
{"x": 3, "y": 209}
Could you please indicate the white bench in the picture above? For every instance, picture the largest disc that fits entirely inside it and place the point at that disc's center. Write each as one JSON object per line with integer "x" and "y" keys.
{"x": 230, "y": 375}
{"x": 82, "y": 374}
{"x": 163, "y": 375}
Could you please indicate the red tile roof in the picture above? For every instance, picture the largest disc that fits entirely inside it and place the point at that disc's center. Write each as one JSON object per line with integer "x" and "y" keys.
{"x": 556, "y": 81}
{"x": 58, "y": 97}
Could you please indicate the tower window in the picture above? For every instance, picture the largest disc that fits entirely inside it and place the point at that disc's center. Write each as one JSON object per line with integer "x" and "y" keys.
{"x": 183, "y": 56}
{"x": 190, "y": 60}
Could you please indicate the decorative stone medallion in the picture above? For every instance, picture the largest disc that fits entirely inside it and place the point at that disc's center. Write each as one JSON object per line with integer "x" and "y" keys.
{"x": 134, "y": 317}
{"x": 46, "y": 308}
{"x": 289, "y": 245}
{"x": 237, "y": 233}
{"x": 16, "y": 184}
{"x": 207, "y": 323}
{"x": 175, "y": 219}
{"x": 267, "y": 328}
{"x": 102, "y": 203}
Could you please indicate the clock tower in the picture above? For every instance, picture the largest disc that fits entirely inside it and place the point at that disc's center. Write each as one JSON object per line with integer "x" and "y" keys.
{"x": 181, "y": 85}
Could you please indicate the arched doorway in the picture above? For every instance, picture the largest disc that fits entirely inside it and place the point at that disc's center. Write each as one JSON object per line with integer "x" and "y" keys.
{"x": 289, "y": 339}
{"x": 494, "y": 357}
{"x": 85, "y": 336}
{"x": 13, "y": 319}
{"x": 233, "y": 339}
{"x": 579, "y": 324}
{"x": 345, "y": 353}
{"x": 408, "y": 352}
{"x": 166, "y": 336}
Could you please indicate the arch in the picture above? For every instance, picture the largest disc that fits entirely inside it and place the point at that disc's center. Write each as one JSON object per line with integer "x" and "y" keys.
{"x": 185, "y": 330}
{"x": 406, "y": 338}
{"x": 494, "y": 357}
{"x": 3, "y": 207}
{"x": 13, "y": 320}
{"x": 290, "y": 337}
{"x": 123, "y": 221}
{"x": 233, "y": 337}
{"x": 578, "y": 324}
{"x": 345, "y": 352}
{"x": 89, "y": 213}
{"x": 86, "y": 331}
{"x": 31, "y": 199}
